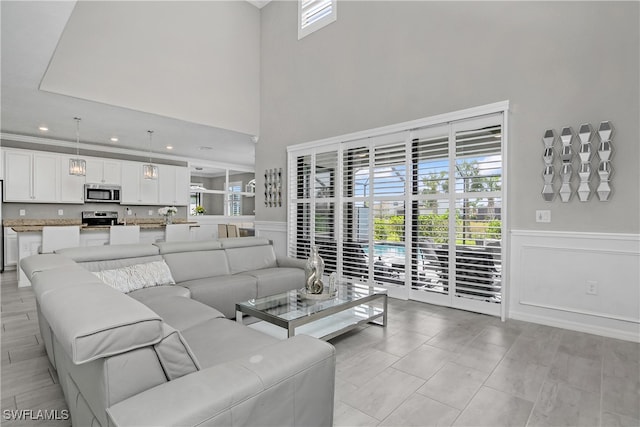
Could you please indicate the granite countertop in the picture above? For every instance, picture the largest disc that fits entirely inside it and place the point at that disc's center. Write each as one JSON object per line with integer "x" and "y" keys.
{"x": 35, "y": 225}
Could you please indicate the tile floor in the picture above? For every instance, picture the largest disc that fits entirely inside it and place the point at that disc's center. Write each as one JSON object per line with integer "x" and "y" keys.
{"x": 432, "y": 366}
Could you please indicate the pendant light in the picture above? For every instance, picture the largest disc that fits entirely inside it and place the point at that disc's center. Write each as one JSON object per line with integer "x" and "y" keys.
{"x": 150, "y": 171}
{"x": 77, "y": 166}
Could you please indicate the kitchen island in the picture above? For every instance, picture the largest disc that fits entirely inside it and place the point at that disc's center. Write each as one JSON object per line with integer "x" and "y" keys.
{"x": 29, "y": 234}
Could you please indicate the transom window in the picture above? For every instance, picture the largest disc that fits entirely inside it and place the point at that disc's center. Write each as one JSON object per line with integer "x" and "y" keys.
{"x": 315, "y": 14}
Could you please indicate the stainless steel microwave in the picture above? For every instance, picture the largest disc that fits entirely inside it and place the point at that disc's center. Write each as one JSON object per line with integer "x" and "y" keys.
{"x": 102, "y": 193}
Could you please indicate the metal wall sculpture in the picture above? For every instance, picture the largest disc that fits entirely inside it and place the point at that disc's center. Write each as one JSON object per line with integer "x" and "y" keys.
{"x": 605, "y": 151}
{"x": 548, "y": 192}
{"x": 586, "y": 155}
{"x": 273, "y": 188}
{"x": 566, "y": 171}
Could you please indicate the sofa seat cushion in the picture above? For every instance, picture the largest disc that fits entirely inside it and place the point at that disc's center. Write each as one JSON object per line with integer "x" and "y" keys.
{"x": 272, "y": 281}
{"x": 222, "y": 340}
{"x": 223, "y": 292}
{"x": 146, "y": 294}
{"x": 180, "y": 312}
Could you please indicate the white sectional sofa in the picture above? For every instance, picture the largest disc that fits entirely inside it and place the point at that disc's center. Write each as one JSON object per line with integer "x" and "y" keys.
{"x": 166, "y": 354}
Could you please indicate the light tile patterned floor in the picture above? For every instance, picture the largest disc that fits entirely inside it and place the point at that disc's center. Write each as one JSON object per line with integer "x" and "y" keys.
{"x": 431, "y": 366}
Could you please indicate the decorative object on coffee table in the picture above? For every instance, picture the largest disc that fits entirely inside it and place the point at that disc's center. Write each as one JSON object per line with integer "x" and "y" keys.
{"x": 313, "y": 272}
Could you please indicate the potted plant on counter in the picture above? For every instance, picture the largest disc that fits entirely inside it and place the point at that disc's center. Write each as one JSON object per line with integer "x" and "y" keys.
{"x": 168, "y": 212}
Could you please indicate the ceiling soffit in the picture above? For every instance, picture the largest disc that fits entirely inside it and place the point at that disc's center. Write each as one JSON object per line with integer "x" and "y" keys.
{"x": 192, "y": 61}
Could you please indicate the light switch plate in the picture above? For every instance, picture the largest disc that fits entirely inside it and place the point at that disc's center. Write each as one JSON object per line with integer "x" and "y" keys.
{"x": 150, "y": 212}
{"x": 60, "y": 212}
{"x": 543, "y": 216}
{"x": 23, "y": 212}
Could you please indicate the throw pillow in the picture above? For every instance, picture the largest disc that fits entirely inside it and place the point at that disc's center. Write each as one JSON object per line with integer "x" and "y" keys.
{"x": 137, "y": 276}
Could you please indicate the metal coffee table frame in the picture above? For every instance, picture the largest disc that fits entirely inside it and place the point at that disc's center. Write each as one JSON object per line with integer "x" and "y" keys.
{"x": 249, "y": 308}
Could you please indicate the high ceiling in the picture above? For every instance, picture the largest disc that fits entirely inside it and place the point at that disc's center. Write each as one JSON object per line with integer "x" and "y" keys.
{"x": 31, "y": 32}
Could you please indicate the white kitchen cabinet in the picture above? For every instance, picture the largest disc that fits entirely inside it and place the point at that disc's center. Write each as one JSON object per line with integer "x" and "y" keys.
{"x": 10, "y": 247}
{"x": 101, "y": 171}
{"x": 31, "y": 176}
{"x": 71, "y": 186}
{"x": 173, "y": 185}
{"x": 135, "y": 189}
{"x": 28, "y": 244}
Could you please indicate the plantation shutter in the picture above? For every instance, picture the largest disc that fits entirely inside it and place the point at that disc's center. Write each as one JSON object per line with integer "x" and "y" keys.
{"x": 430, "y": 211}
{"x": 356, "y": 186}
{"x": 478, "y": 191}
{"x": 324, "y": 182}
{"x": 300, "y": 206}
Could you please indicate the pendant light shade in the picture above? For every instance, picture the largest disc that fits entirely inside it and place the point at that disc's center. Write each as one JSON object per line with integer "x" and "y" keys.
{"x": 77, "y": 166}
{"x": 149, "y": 170}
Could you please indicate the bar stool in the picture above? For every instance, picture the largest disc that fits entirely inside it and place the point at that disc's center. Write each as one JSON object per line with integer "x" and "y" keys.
{"x": 59, "y": 237}
{"x": 177, "y": 232}
{"x": 124, "y": 234}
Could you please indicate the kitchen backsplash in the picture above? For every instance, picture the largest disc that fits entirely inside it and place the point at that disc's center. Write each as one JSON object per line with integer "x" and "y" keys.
{"x": 50, "y": 211}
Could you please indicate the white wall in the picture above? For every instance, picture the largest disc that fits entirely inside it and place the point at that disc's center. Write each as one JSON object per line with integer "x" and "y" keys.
{"x": 557, "y": 63}
{"x": 195, "y": 61}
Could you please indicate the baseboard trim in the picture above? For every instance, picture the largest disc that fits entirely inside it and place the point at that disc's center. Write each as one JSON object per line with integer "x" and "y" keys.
{"x": 577, "y": 326}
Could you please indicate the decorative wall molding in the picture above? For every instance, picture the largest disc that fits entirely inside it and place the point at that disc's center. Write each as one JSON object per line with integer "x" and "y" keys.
{"x": 552, "y": 273}
{"x": 576, "y": 235}
{"x": 275, "y": 231}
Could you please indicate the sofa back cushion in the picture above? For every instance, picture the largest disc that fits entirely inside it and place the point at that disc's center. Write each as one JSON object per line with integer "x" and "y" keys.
{"x": 197, "y": 264}
{"x": 106, "y": 252}
{"x": 195, "y": 246}
{"x": 90, "y": 319}
{"x": 251, "y": 258}
{"x": 111, "y": 264}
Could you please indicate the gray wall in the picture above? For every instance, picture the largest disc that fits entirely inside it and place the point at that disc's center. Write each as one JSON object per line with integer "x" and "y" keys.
{"x": 380, "y": 63}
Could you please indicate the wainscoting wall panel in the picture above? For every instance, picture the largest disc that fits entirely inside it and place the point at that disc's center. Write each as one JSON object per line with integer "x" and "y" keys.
{"x": 549, "y": 278}
{"x": 275, "y": 231}
{"x": 583, "y": 281}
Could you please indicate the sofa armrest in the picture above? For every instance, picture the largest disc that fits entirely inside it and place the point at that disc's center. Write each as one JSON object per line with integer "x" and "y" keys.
{"x": 291, "y": 262}
{"x": 288, "y": 383}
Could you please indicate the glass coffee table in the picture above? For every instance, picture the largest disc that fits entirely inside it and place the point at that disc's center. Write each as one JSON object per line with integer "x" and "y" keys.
{"x": 294, "y": 312}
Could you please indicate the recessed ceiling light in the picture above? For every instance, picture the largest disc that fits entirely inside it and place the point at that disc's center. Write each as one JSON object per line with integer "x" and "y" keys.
{"x": 114, "y": 139}
{"x": 43, "y": 128}
{"x": 169, "y": 147}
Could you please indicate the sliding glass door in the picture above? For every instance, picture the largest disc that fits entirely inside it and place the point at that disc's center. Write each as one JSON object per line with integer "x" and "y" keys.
{"x": 456, "y": 215}
{"x": 417, "y": 211}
